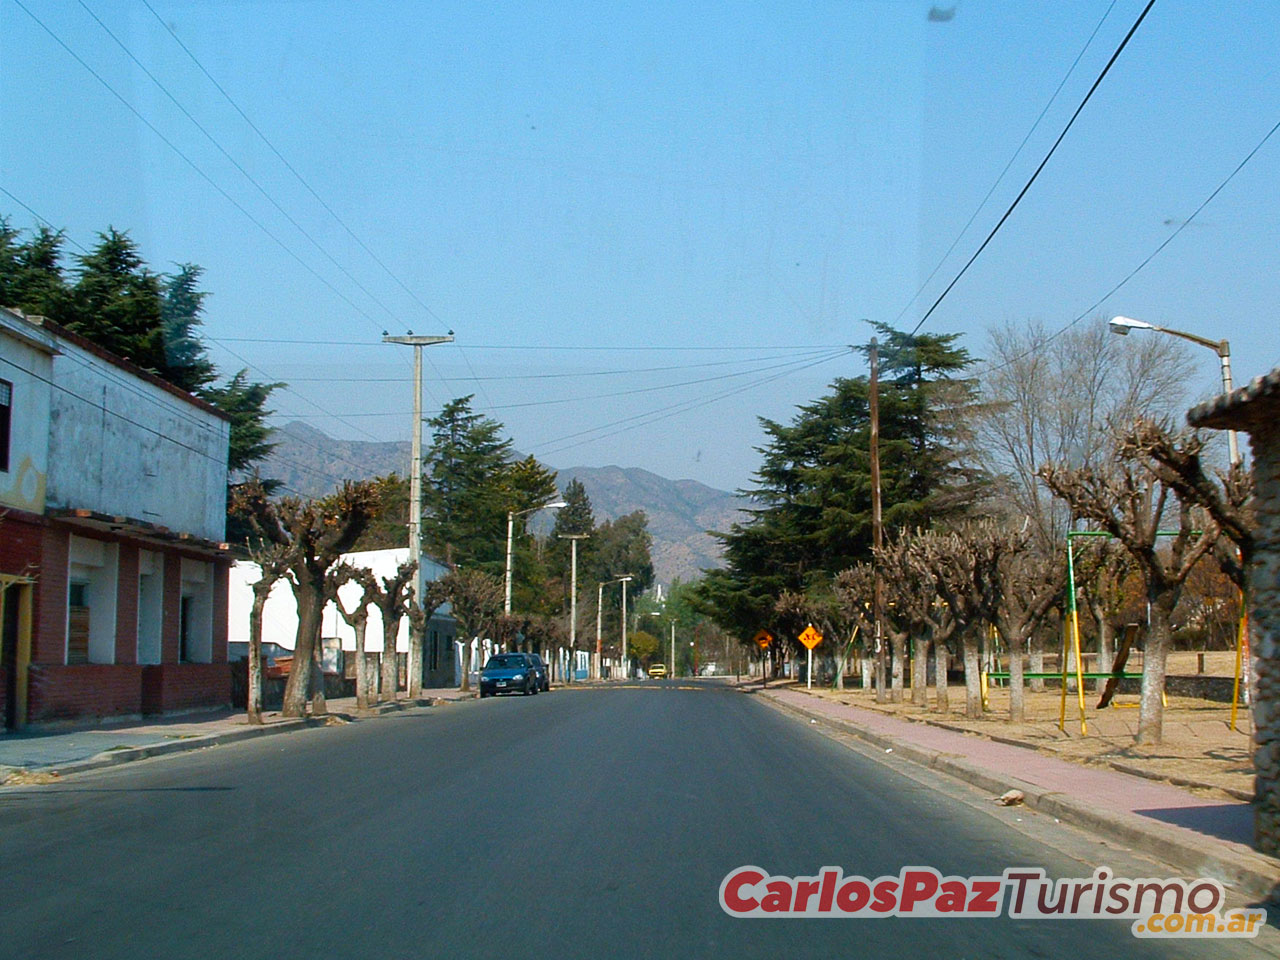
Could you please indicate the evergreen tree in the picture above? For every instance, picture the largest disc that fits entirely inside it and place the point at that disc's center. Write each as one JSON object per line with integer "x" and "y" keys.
{"x": 245, "y": 402}
{"x": 117, "y": 302}
{"x": 186, "y": 362}
{"x": 463, "y": 491}
{"x": 31, "y": 277}
{"x": 576, "y": 516}
{"x": 813, "y": 488}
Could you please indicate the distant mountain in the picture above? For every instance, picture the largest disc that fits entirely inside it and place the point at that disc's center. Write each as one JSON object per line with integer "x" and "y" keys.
{"x": 310, "y": 463}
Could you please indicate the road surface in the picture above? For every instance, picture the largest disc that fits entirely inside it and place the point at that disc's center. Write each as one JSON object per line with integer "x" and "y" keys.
{"x": 587, "y": 823}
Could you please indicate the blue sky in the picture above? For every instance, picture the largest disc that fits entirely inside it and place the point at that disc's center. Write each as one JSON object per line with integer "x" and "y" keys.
{"x": 742, "y": 181}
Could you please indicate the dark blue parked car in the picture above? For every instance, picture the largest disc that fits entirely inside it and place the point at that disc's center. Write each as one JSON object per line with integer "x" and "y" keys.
{"x": 509, "y": 673}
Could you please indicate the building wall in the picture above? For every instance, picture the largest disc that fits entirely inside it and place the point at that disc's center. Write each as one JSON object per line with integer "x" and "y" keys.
{"x": 1264, "y": 603}
{"x": 124, "y": 446}
{"x": 28, "y": 368}
{"x": 61, "y": 692}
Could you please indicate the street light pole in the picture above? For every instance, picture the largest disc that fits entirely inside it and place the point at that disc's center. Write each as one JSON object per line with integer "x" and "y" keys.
{"x": 599, "y": 613}
{"x": 1122, "y": 326}
{"x": 415, "y": 438}
{"x": 573, "y": 539}
{"x": 624, "y": 661}
{"x": 511, "y": 523}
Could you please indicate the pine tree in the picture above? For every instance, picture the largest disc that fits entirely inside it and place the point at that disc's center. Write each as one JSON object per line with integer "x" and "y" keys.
{"x": 117, "y": 302}
{"x": 813, "y": 489}
{"x": 464, "y": 501}
{"x": 186, "y": 362}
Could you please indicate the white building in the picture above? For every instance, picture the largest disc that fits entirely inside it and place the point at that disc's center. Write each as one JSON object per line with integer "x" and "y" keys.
{"x": 280, "y": 615}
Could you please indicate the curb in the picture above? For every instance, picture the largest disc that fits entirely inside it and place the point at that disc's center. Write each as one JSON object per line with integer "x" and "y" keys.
{"x": 1247, "y": 871}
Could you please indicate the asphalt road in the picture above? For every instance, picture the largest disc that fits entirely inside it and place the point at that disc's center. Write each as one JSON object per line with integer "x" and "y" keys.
{"x": 581, "y": 824}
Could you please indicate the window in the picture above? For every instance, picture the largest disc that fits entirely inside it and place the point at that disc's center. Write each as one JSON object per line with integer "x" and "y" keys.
{"x": 6, "y": 412}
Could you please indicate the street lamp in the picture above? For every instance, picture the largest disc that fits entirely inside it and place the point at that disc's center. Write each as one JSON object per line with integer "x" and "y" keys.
{"x": 1122, "y": 326}
{"x": 511, "y": 523}
{"x": 624, "y": 580}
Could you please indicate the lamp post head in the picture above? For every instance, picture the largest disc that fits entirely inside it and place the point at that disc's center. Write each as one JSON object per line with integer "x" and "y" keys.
{"x": 1122, "y": 325}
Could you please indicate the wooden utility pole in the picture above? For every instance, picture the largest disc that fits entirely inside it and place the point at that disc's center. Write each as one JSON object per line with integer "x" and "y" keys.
{"x": 877, "y": 525}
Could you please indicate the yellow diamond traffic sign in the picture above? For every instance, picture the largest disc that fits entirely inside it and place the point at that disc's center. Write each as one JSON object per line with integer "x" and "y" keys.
{"x": 811, "y": 637}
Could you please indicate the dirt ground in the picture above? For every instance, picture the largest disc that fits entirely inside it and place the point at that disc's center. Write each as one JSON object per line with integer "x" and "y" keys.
{"x": 1199, "y": 750}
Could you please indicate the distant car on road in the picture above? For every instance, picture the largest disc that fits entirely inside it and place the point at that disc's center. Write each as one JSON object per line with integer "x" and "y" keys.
{"x": 507, "y": 673}
{"x": 544, "y": 679}
{"x": 657, "y": 669}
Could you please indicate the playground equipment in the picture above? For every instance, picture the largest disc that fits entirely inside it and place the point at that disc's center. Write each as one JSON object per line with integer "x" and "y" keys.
{"x": 1071, "y": 644}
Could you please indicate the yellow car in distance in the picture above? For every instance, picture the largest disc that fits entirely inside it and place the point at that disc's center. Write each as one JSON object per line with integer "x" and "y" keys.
{"x": 657, "y": 669}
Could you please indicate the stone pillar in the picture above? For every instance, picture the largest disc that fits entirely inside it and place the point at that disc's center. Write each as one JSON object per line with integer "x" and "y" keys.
{"x": 1264, "y": 602}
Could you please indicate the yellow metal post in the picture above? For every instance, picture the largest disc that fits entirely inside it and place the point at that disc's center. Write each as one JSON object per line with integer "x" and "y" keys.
{"x": 1242, "y": 643}
{"x": 1075, "y": 636}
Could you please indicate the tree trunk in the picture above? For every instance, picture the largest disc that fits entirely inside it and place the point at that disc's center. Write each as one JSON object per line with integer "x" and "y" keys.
{"x": 897, "y": 651}
{"x": 1154, "y": 654}
{"x": 972, "y": 678}
{"x": 1037, "y": 661}
{"x": 310, "y": 606}
{"x": 414, "y": 669}
{"x": 941, "y": 660}
{"x": 920, "y": 672}
{"x": 361, "y": 626}
{"x": 1106, "y": 651}
{"x": 866, "y": 672}
{"x": 1017, "y": 708}
{"x": 390, "y": 662}
{"x": 253, "y": 707}
{"x": 466, "y": 666}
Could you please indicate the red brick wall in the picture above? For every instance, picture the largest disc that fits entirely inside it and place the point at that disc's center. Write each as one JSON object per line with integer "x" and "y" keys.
{"x": 127, "y": 604}
{"x": 49, "y": 640}
{"x": 60, "y": 692}
{"x": 171, "y": 621}
{"x": 185, "y": 686}
{"x": 221, "y": 593}
{"x": 20, "y": 543}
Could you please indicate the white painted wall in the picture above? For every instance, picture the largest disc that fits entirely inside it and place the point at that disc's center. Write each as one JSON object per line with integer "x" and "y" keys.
{"x": 150, "y": 605}
{"x": 280, "y": 616}
{"x": 26, "y": 361}
{"x": 124, "y": 446}
{"x": 97, "y": 565}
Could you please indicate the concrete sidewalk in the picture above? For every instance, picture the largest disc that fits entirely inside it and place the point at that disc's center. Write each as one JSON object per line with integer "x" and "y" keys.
{"x": 44, "y": 754}
{"x": 1201, "y": 836}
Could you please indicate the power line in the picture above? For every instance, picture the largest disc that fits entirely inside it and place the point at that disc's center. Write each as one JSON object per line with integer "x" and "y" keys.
{"x": 551, "y": 347}
{"x": 576, "y": 374}
{"x": 663, "y": 413}
{"x": 236, "y": 163}
{"x": 1151, "y": 256}
{"x": 1016, "y": 153}
{"x": 43, "y": 220}
{"x": 194, "y": 166}
{"x": 289, "y": 166}
{"x": 1034, "y": 176}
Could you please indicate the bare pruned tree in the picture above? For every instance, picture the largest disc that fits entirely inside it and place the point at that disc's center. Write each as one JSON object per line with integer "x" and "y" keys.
{"x": 273, "y": 566}
{"x": 476, "y": 600}
{"x": 420, "y": 613}
{"x": 1129, "y": 501}
{"x": 1226, "y": 495}
{"x": 358, "y": 619}
{"x": 312, "y": 535}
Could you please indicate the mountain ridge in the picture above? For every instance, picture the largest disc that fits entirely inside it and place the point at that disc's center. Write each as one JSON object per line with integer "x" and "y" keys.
{"x": 681, "y": 512}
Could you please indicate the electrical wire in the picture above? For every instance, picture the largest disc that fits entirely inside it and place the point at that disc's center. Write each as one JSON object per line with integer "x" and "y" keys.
{"x": 673, "y": 409}
{"x": 289, "y": 166}
{"x": 1034, "y": 176}
{"x": 553, "y": 376}
{"x": 1088, "y": 311}
{"x": 236, "y": 163}
{"x": 198, "y": 170}
{"x": 1000, "y": 178}
{"x": 42, "y": 220}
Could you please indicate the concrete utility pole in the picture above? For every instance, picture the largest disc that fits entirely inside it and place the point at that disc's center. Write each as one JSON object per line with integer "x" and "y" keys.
{"x": 674, "y": 621}
{"x": 877, "y": 526}
{"x": 415, "y": 438}
{"x": 573, "y": 539}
